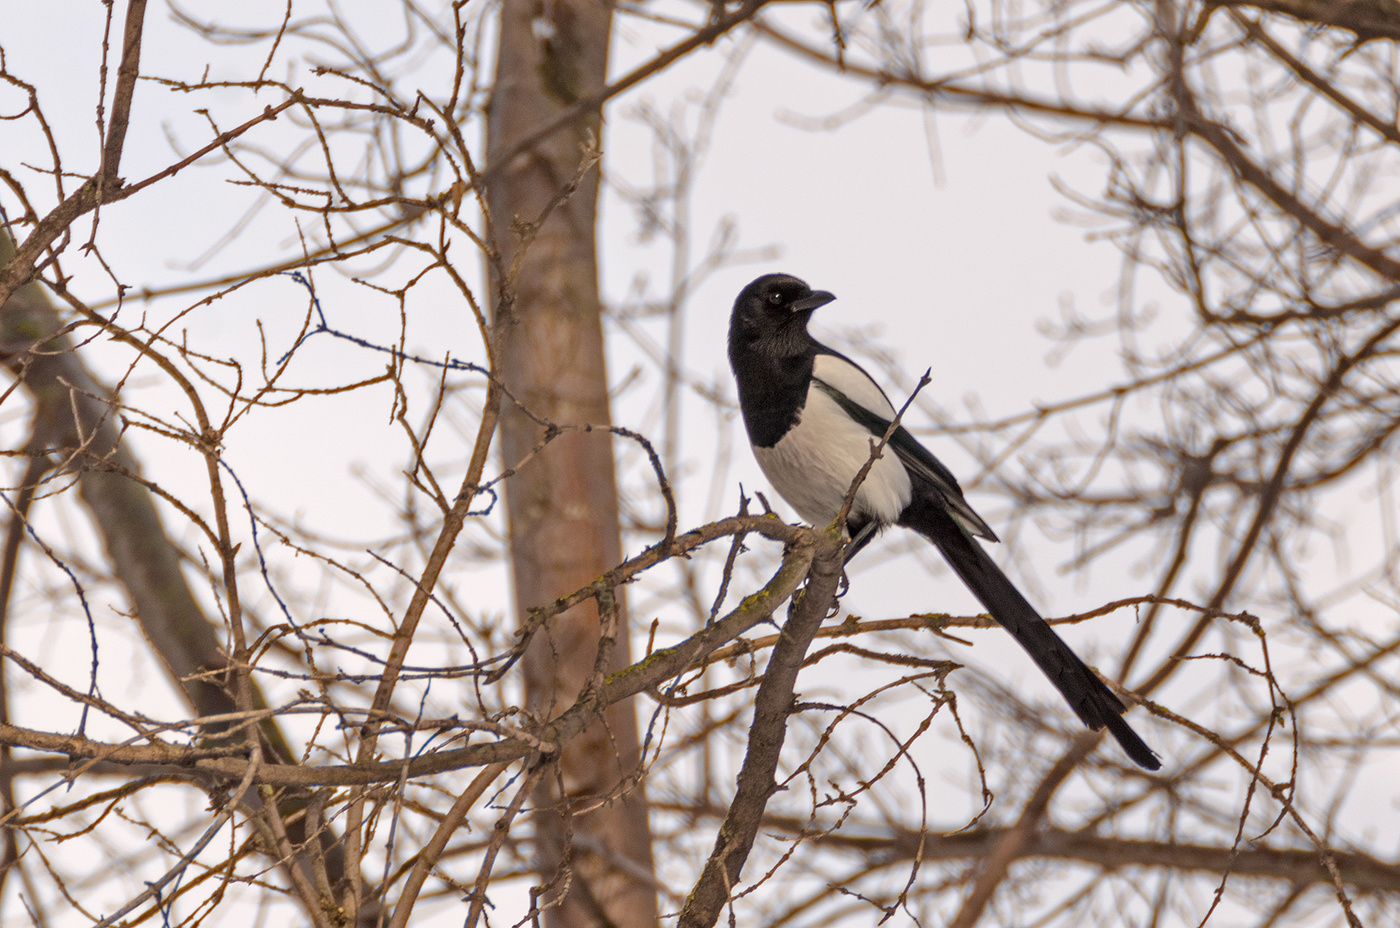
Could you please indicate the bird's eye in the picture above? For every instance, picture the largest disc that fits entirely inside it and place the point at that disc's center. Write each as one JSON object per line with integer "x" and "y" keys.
{"x": 775, "y": 298}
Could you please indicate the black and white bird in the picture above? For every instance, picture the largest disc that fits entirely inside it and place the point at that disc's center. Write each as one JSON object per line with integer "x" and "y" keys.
{"x": 812, "y": 413}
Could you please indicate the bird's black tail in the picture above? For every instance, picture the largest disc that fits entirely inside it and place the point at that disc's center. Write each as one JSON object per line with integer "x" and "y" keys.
{"x": 1087, "y": 695}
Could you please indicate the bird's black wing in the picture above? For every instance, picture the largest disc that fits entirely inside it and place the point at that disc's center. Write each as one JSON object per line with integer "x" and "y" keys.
{"x": 918, "y": 459}
{"x": 1086, "y": 694}
{"x": 938, "y": 511}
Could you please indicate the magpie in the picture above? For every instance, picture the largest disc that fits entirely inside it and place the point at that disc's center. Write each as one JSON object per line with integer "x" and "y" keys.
{"x": 812, "y": 414}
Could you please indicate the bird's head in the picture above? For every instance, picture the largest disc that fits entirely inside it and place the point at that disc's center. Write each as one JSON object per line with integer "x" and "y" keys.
{"x": 775, "y": 309}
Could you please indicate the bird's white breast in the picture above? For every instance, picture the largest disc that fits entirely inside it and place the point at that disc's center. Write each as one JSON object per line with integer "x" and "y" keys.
{"x": 813, "y": 465}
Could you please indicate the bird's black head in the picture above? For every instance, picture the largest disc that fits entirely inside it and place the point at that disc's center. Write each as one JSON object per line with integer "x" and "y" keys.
{"x": 770, "y": 316}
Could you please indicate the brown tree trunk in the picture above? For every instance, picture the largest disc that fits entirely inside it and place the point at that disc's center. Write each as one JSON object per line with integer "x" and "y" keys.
{"x": 75, "y": 425}
{"x": 593, "y": 840}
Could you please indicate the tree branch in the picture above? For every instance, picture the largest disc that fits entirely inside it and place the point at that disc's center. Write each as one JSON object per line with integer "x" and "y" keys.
{"x": 772, "y": 705}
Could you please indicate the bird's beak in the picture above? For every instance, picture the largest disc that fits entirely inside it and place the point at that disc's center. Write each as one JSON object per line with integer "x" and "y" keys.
{"x": 811, "y": 301}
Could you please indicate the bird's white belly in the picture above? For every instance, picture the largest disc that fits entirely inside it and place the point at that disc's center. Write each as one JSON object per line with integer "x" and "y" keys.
{"x": 813, "y": 465}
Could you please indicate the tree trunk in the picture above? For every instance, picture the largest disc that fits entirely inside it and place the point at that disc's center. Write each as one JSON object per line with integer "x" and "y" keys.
{"x": 75, "y": 424}
{"x": 593, "y": 840}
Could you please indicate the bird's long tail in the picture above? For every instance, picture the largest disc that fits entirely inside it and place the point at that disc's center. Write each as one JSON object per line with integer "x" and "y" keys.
{"x": 1086, "y": 694}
